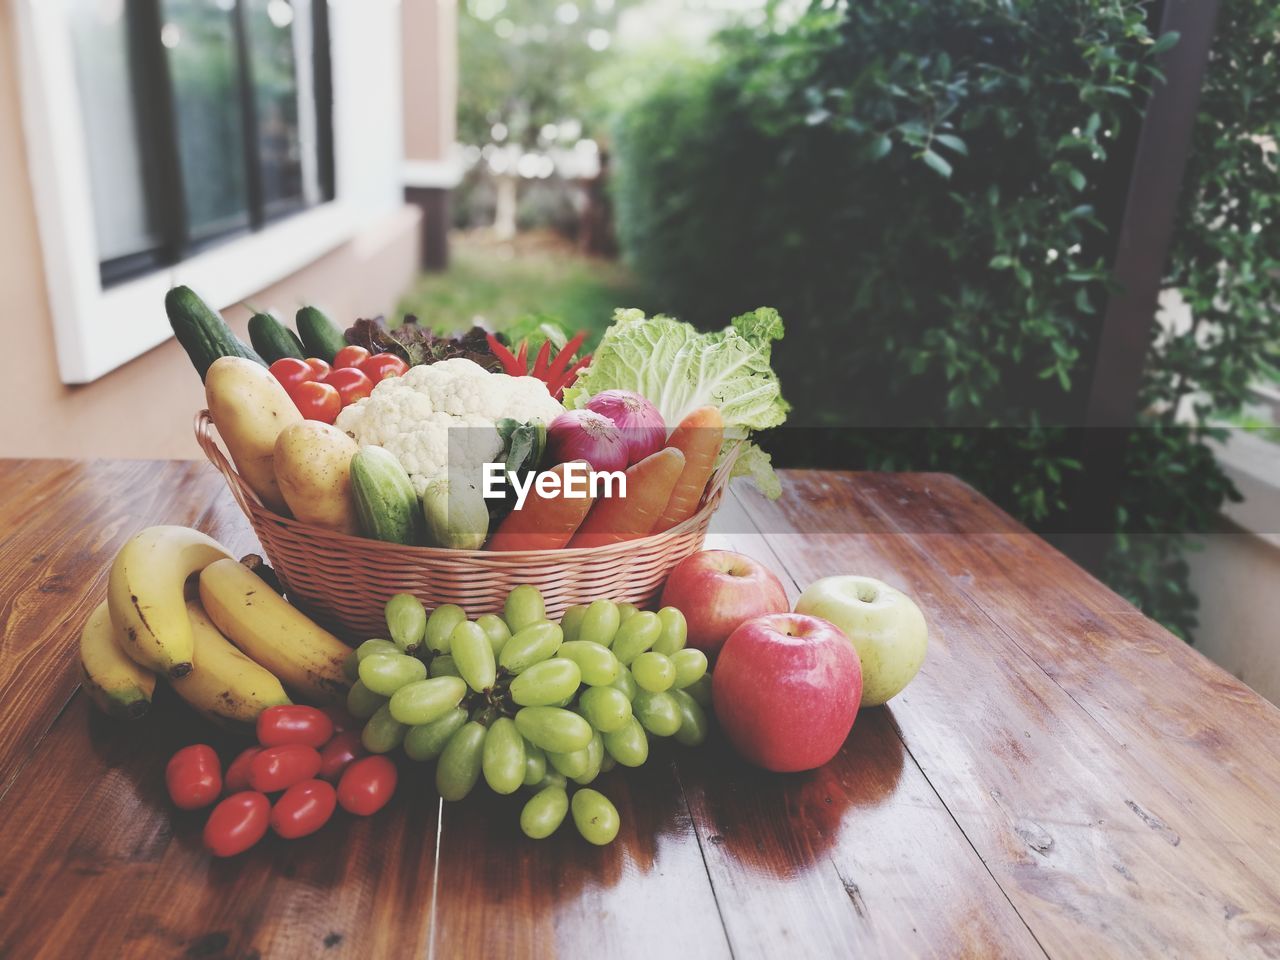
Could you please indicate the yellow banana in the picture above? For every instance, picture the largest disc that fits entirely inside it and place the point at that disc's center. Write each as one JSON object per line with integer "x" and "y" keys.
{"x": 307, "y": 658}
{"x": 117, "y": 685}
{"x": 144, "y": 592}
{"x": 225, "y": 685}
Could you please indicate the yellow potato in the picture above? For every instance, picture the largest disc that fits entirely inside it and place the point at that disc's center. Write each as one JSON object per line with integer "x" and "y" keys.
{"x": 250, "y": 409}
{"x": 313, "y": 469}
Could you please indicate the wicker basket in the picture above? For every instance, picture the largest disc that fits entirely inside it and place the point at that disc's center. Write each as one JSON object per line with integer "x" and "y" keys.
{"x": 345, "y": 581}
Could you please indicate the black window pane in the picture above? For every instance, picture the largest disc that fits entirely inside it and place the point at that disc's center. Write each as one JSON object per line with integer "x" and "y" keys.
{"x": 275, "y": 28}
{"x": 199, "y": 36}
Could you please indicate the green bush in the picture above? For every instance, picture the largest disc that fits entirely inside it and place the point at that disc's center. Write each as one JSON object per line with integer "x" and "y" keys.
{"x": 916, "y": 187}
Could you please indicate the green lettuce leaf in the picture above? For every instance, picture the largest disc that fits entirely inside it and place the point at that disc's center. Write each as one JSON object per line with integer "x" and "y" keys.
{"x": 680, "y": 369}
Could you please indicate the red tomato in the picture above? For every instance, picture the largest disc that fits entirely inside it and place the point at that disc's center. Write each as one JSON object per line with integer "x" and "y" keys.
{"x": 304, "y": 808}
{"x": 383, "y": 365}
{"x": 317, "y": 401}
{"x": 237, "y": 823}
{"x": 291, "y": 371}
{"x": 338, "y": 754}
{"x": 350, "y": 357}
{"x": 367, "y": 785}
{"x": 194, "y": 777}
{"x": 278, "y": 768}
{"x": 237, "y": 777}
{"x": 294, "y": 724}
{"x": 319, "y": 369}
{"x": 351, "y": 384}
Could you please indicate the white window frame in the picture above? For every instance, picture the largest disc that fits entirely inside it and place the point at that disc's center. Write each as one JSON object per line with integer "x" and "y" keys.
{"x": 97, "y": 329}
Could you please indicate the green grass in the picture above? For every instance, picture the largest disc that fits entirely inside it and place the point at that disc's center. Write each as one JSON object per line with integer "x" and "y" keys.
{"x": 498, "y": 284}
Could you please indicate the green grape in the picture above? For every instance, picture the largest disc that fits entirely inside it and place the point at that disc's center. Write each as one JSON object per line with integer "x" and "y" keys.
{"x": 598, "y": 664}
{"x": 425, "y": 742}
{"x": 376, "y": 646}
{"x": 608, "y": 763}
{"x": 502, "y": 759}
{"x": 553, "y": 729}
{"x": 626, "y": 683}
{"x": 562, "y": 703}
{"x": 535, "y": 764}
{"x": 351, "y": 667}
{"x": 691, "y": 666}
{"x": 496, "y": 629}
{"x": 554, "y": 778}
{"x": 473, "y": 656}
{"x": 382, "y": 732}
{"x": 653, "y": 672}
{"x": 524, "y": 608}
{"x": 693, "y": 720}
{"x": 605, "y": 708}
{"x": 460, "y": 761}
{"x": 700, "y": 690}
{"x": 626, "y": 611}
{"x": 546, "y": 683}
{"x": 571, "y": 621}
{"x": 440, "y": 626}
{"x": 657, "y": 712}
{"x": 573, "y": 764}
{"x": 600, "y": 623}
{"x": 545, "y": 811}
{"x": 406, "y": 621}
{"x": 385, "y": 673}
{"x": 628, "y": 744}
{"x": 426, "y": 700}
{"x": 675, "y": 631}
{"x": 595, "y": 757}
{"x": 443, "y": 665}
{"x": 529, "y": 646}
{"x": 595, "y": 817}
{"x": 636, "y": 636}
{"x": 363, "y": 703}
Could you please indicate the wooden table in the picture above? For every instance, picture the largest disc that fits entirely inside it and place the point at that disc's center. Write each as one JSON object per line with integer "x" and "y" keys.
{"x": 1064, "y": 778}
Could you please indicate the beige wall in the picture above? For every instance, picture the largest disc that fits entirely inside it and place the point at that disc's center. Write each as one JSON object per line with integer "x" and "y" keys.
{"x": 144, "y": 408}
{"x": 429, "y": 58}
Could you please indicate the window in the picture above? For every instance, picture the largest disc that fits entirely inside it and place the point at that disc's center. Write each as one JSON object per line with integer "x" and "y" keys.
{"x": 203, "y": 120}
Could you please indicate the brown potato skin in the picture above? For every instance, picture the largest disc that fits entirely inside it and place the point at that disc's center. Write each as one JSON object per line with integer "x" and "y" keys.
{"x": 313, "y": 470}
{"x": 250, "y": 409}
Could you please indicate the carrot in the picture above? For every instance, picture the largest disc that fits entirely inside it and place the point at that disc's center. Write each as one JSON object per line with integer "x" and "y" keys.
{"x": 544, "y": 523}
{"x": 649, "y": 485}
{"x": 699, "y": 437}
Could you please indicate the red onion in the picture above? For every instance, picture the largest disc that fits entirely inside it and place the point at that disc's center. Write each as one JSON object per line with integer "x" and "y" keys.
{"x": 638, "y": 420}
{"x": 584, "y": 435}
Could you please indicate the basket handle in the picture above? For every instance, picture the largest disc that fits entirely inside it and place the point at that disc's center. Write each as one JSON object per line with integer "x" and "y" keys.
{"x": 209, "y": 444}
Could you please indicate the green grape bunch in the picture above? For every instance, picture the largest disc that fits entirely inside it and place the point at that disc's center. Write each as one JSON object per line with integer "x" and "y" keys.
{"x": 525, "y": 703}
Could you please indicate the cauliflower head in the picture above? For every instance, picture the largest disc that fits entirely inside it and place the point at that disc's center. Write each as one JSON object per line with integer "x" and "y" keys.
{"x": 416, "y": 417}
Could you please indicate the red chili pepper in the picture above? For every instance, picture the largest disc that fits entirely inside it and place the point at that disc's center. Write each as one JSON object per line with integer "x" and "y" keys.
{"x": 540, "y": 365}
{"x": 559, "y": 366}
{"x": 522, "y": 358}
{"x": 505, "y": 357}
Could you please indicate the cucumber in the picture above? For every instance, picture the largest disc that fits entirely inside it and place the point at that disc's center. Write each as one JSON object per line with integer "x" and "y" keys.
{"x": 202, "y": 331}
{"x": 273, "y": 339}
{"x": 319, "y": 334}
{"x": 386, "y": 505}
{"x": 456, "y": 514}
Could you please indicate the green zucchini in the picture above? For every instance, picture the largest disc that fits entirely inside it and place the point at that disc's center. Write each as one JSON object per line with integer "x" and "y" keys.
{"x": 273, "y": 339}
{"x": 386, "y": 505}
{"x": 202, "y": 331}
{"x": 319, "y": 334}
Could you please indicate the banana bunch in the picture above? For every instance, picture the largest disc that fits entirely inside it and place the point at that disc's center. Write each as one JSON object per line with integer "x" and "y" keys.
{"x": 229, "y": 654}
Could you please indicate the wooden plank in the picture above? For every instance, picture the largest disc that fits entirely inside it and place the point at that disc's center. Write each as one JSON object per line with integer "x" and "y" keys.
{"x": 1097, "y": 857}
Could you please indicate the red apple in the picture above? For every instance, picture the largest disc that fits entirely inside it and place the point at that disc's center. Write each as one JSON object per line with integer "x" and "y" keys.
{"x": 717, "y": 590}
{"x": 786, "y": 689}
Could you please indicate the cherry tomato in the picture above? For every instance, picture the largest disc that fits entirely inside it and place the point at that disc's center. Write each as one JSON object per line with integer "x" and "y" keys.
{"x": 319, "y": 368}
{"x": 317, "y": 401}
{"x": 294, "y": 724}
{"x": 339, "y": 753}
{"x": 350, "y": 357}
{"x": 291, "y": 371}
{"x": 304, "y": 808}
{"x": 278, "y": 768}
{"x": 367, "y": 785}
{"x": 194, "y": 777}
{"x": 237, "y": 823}
{"x": 237, "y": 777}
{"x": 382, "y": 365}
{"x": 351, "y": 384}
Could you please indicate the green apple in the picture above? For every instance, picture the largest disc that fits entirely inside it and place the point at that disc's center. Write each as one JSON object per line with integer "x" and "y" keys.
{"x": 885, "y": 625}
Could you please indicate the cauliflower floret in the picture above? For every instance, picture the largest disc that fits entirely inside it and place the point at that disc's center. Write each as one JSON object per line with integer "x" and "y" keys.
{"x": 416, "y": 417}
